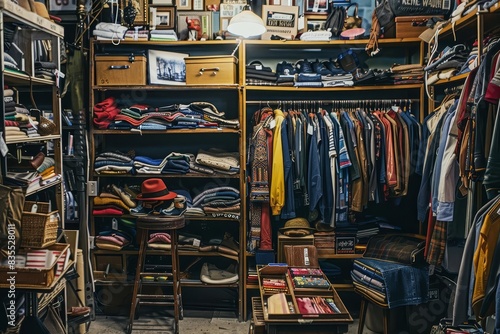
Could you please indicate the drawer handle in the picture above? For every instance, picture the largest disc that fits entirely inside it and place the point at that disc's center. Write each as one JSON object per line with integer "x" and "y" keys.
{"x": 214, "y": 69}
{"x": 119, "y": 67}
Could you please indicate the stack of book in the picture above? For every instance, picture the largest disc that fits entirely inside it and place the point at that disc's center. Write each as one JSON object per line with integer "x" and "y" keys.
{"x": 139, "y": 35}
{"x": 163, "y": 35}
{"x": 274, "y": 285}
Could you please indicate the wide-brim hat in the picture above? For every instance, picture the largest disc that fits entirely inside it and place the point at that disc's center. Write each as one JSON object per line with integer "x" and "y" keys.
{"x": 297, "y": 227}
{"x": 155, "y": 190}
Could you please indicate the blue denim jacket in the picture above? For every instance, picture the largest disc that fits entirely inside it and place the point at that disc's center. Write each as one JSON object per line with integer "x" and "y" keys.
{"x": 405, "y": 285}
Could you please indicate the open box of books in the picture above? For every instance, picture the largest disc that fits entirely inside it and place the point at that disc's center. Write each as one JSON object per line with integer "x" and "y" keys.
{"x": 293, "y": 293}
{"x": 36, "y": 268}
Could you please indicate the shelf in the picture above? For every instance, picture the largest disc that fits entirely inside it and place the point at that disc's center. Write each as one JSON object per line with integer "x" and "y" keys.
{"x": 155, "y": 252}
{"x": 202, "y": 218}
{"x": 188, "y": 175}
{"x": 34, "y": 191}
{"x": 173, "y": 43}
{"x": 252, "y": 286}
{"x": 165, "y": 87}
{"x": 333, "y": 89}
{"x": 467, "y": 21}
{"x": 171, "y": 131}
{"x": 32, "y": 140}
{"x": 322, "y": 254}
{"x": 303, "y": 44}
{"x": 454, "y": 79}
{"x": 20, "y": 14}
{"x": 184, "y": 283}
{"x": 21, "y": 79}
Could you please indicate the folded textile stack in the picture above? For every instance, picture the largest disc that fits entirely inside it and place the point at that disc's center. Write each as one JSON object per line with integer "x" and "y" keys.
{"x": 139, "y": 35}
{"x": 391, "y": 283}
{"x": 210, "y": 274}
{"x": 109, "y": 31}
{"x": 219, "y": 161}
{"x": 114, "y": 163}
{"x": 107, "y": 204}
{"x": 308, "y": 80}
{"x": 447, "y": 63}
{"x": 407, "y": 74}
{"x": 163, "y": 35}
{"x": 159, "y": 240}
{"x": 9, "y": 62}
{"x": 219, "y": 202}
{"x": 113, "y": 240}
{"x": 105, "y": 112}
{"x": 174, "y": 163}
{"x": 45, "y": 70}
{"x": 337, "y": 80}
{"x": 259, "y": 75}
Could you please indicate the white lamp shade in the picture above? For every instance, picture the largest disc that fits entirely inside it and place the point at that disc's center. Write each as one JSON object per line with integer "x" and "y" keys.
{"x": 246, "y": 24}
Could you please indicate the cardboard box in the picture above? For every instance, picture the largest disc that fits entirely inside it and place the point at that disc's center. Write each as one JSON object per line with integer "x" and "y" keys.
{"x": 211, "y": 70}
{"x": 117, "y": 70}
{"x": 411, "y": 26}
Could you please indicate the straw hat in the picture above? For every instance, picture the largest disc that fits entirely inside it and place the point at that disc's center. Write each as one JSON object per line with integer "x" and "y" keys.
{"x": 297, "y": 227}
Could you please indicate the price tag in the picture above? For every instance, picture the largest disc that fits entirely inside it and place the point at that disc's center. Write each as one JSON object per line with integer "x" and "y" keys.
{"x": 3, "y": 146}
{"x": 306, "y": 257}
{"x": 196, "y": 242}
{"x": 310, "y": 129}
{"x": 114, "y": 224}
{"x": 91, "y": 242}
{"x": 272, "y": 124}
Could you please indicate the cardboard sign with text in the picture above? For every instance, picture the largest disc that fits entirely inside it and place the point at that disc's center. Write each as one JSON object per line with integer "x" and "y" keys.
{"x": 281, "y": 21}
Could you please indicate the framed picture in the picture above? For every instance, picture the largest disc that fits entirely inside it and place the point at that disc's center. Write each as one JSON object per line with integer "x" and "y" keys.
{"x": 317, "y": 6}
{"x": 167, "y": 68}
{"x": 184, "y": 5}
{"x": 164, "y": 17}
{"x": 141, "y": 8}
{"x": 281, "y": 2}
{"x": 192, "y": 25}
{"x": 198, "y": 5}
{"x": 163, "y": 2}
{"x": 314, "y": 22}
{"x": 227, "y": 11}
{"x": 281, "y": 21}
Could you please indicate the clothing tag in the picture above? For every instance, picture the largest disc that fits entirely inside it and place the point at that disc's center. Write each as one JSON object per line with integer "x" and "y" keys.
{"x": 34, "y": 208}
{"x": 310, "y": 129}
{"x": 114, "y": 224}
{"x": 272, "y": 124}
{"x": 258, "y": 67}
{"x": 91, "y": 242}
{"x": 3, "y": 147}
{"x": 306, "y": 257}
{"x": 196, "y": 242}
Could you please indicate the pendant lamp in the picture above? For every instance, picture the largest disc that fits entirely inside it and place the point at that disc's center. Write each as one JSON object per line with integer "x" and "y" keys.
{"x": 246, "y": 24}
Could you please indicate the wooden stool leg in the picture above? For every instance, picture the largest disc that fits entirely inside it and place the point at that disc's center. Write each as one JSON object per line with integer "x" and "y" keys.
{"x": 362, "y": 315}
{"x": 137, "y": 279}
{"x": 386, "y": 320}
{"x": 175, "y": 277}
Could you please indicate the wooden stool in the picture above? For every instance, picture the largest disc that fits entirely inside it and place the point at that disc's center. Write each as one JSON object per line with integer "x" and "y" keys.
{"x": 144, "y": 225}
{"x": 365, "y": 299}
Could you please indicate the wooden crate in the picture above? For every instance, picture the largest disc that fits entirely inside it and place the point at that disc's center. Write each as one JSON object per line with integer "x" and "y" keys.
{"x": 211, "y": 70}
{"x": 411, "y": 26}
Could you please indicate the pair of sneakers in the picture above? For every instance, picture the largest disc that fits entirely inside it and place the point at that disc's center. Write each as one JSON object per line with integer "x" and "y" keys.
{"x": 328, "y": 67}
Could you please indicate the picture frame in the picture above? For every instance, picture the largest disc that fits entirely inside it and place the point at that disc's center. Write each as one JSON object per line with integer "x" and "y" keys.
{"x": 314, "y": 22}
{"x": 281, "y": 21}
{"x": 198, "y": 5}
{"x": 164, "y": 17}
{"x": 167, "y": 68}
{"x": 141, "y": 7}
{"x": 281, "y": 2}
{"x": 204, "y": 19}
{"x": 227, "y": 11}
{"x": 316, "y": 6}
{"x": 184, "y": 5}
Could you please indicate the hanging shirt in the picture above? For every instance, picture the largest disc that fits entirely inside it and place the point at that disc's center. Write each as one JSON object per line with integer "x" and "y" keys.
{"x": 277, "y": 190}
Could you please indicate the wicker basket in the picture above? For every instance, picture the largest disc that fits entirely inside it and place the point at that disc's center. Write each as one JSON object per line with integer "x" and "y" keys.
{"x": 38, "y": 229}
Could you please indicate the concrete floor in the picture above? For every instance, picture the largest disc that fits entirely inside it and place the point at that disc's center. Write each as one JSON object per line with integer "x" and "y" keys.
{"x": 194, "y": 322}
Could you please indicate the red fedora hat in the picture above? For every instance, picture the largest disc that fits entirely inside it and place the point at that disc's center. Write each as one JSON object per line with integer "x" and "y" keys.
{"x": 155, "y": 190}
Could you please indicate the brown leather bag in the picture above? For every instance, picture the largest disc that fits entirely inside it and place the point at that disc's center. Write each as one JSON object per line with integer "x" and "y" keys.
{"x": 352, "y": 21}
{"x": 301, "y": 256}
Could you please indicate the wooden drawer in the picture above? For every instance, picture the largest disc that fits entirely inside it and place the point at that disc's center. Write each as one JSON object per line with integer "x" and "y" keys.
{"x": 411, "y": 26}
{"x": 114, "y": 70}
{"x": 212, "y": 70}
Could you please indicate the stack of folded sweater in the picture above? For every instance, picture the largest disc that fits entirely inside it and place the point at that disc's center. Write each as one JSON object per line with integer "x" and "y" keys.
{"x": 109, "y": 31}
{"x": 113, "y": 163}
{"x": 447, "y": 63}
{"x": 337, "y": 80}
{"x": 45, "y": 70}
{"x": 308, "y": 80}
{"x": 174, "y": 163}
{"x": 260, "y": 75}
{"x": 219, "y": 202}
{"x": 107, "y": 204}
{"x": 105, "y": 113}
{"x": 113, "y": 240}
{"x": 407, "y": 74}
{"x": 219, "y": 161}
{"x": 159, "y": 240}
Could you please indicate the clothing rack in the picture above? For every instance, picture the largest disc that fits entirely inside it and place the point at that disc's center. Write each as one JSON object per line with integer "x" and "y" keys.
{"x": 334, "y": 102}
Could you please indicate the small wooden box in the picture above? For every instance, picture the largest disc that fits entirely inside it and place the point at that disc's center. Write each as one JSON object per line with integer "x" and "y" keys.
{"x": 411, "y": 26}
{"x": 116, "y": 70}
{"x": 286, "y": 240}
{"x": 211, "y": 70}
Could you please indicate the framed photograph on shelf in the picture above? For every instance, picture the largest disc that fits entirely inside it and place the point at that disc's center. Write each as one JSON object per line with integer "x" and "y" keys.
{"x": 282, "y": 21}
{"x": 192, "y": 25}
{"x": 184, "y": 4}
{"x": 198, "y": 5}
{"x": 167, "y": 68}
{"x": 164, "y": 17}
{"x": 141, "y": 8}
{"x": 317, "y": 6}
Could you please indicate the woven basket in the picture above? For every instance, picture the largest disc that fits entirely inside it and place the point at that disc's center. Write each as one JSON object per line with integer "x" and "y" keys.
{"x": 38, "y": 229}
